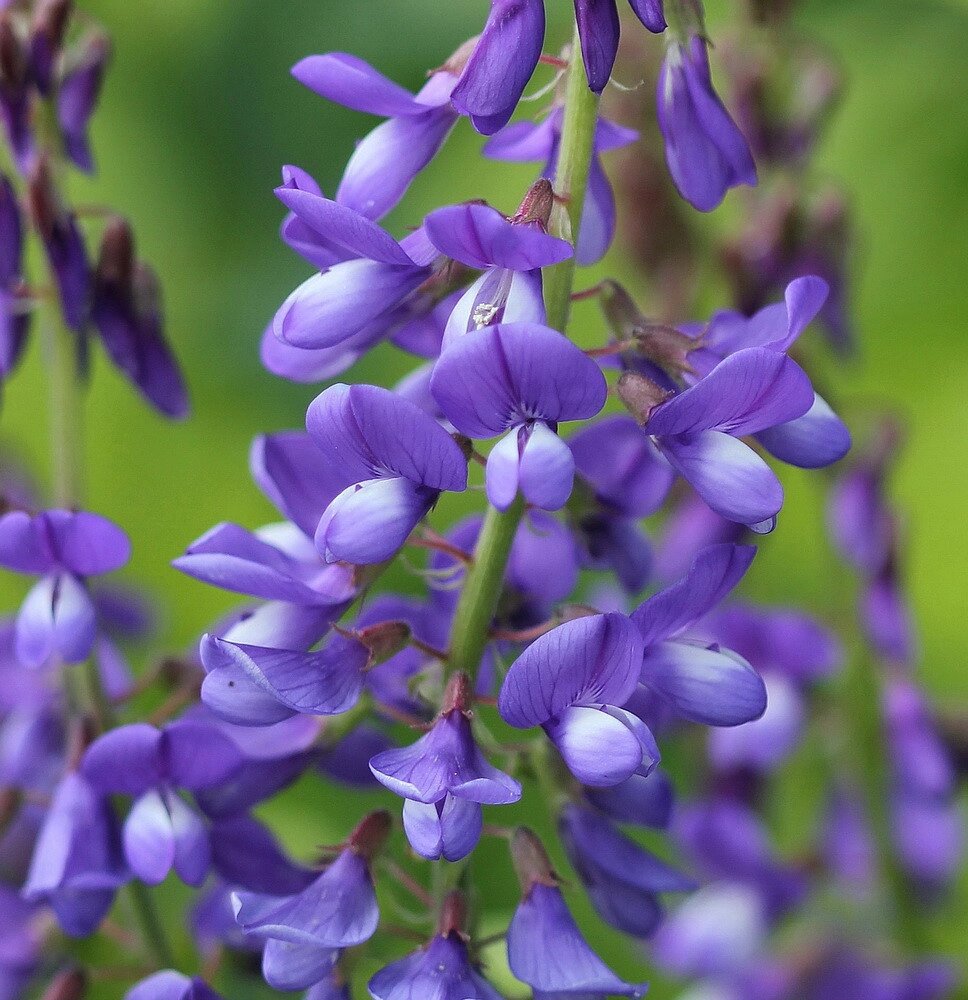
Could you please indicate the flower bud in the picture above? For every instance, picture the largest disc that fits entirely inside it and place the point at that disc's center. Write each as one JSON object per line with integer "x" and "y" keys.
{"x": 71, "y": 984}
{"x": 47, "y": 33}
{"x": 115, "y": 266}
{"x": 384, "y": 640}
{"x": 459, "y": 695}
{"x": 537, "y": 204}
{"x": 453, "y": 915}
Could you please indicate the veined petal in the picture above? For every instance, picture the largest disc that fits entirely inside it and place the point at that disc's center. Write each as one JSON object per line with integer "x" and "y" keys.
{"x": 588, "y": 661}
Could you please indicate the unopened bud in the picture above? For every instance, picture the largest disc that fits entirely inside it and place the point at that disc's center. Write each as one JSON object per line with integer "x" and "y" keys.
{"x": 47, "y": 33}
{"x": 368, "y": 838}
{"x": 42, "y": 198}
{"x": 13, "y": 59}
{"x": 71, "y": 984}
{"x": 621, "y": 312}
{"x": 537, "y": 204}
{"x": 640, "y": 395}
{"x": 531, "y": 862}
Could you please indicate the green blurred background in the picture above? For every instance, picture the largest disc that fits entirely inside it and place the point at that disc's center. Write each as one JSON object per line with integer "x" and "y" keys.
{"x": 198, "y": 115}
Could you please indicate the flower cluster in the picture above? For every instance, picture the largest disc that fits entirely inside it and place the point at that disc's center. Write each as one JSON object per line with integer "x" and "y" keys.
{"x": 555, "y": 647}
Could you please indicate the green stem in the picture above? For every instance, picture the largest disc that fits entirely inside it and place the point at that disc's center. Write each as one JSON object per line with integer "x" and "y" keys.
{"x": 152, "y": 931}
{"x": 482, "y": 585}
{"x": 571, "y": 182}
{"x": 66, "y": 414}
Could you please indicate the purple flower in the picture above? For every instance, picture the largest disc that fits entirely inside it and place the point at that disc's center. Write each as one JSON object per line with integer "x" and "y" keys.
{"x": 525, "y": 142}
{"x": 440, "y": 971}
{"x": 520, "y": 380}
{"x": 15, "y": 94}
{"x": 847, "y": 841}
{"x": 387, "y": 160}
{"x": 573, "y": 681}
{"x": 702, "y": 683}
{"x": 510, "y": 252}
{"x": 501, "y": 63}
{"x": 546, "y": 949}
{"x": 644, "y": 800}
{"x": 127, "y": 313}
{"x": 706, "y": 153}
{"x": 162, "y": 832}
{"x": 78, "y": 863}
{"x": 20, "y": 944}
{"x": 305, "y": 931}
{"x": 689, "y": 528}
{"x": 260, "y": 685}
{"x": 14, "y": 321}
{"x": 368, "y": 277}
{"x": 398, "y": 461}
{"x": 623, "y": 880}
{"x": 77, "y": 97}
{"x": 699, "y": 431}
{"x": 445, "y": 779}
{"x": 168, "y": 985}
{"x": 57, "y": 618}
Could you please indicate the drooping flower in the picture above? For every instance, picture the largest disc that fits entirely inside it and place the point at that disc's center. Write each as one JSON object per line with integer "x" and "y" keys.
{"x": 14, "y": 320}
{"x": 387, "y": 160}
{"x": 304, "y": 932}
{"x": 526, "y": 142}
{"x": 126, "y": 311}
{"x": 519, "y": 380}
{"x": 398, "y": 461}
{"x": 445, "y": 779}
{"x": 623, "y": 880}
{"x": 57, "y": 618}
{"x": 510, "y": 252}
{"x": 161, "y": 831}
{"x": 573, "y": 681}
{"x": 501, "y": 63}
{"x": 546, "y": 949}
{"x": 706, "y": 152}
{"x": 699, "y": 681}
{"x": 78, "y": 864}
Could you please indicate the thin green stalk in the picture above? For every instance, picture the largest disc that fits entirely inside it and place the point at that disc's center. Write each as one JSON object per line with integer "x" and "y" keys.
{"x": 482, "y": 586}
{"x": 149, "y": 923}
{"x": 66, "y": 413}
{"x": 571, "y": 182}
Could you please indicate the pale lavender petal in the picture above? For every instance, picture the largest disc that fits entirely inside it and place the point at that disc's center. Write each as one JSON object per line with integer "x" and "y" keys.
{"x": 592, "y": 660}
{"x": 193, "y": 854}
{"x": 449, "y": 829}
{"x": 289, "y": 965}
{"x": 497, "y": 296}
{"x": 503, "y": 471}
{"x": 547, "y": 468}
{"x": 602, "y": 748}
{"x": 733, "y": 480}
{"x": 149, "y": 841}
{"x": 710, "y": 686}
{"x": 817, "y": 439}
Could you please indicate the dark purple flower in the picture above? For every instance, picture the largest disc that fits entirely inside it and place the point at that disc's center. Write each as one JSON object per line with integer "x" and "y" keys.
{"x": 546, "y": 949}
{"x": 445, "y": 779}
{"x": 700, "y": 682}
{"x": 14, "y": 319}
{"x": 706, "y": 153}
{"x": 57, "y": 618}
{"x": 526, "y": 142}
{"x": 510, "y": 252}
{"x": 519, "y": 380}
{"x": 398, "y": 461}
{"x": 161, "y": 831}
{"x": 127, "y": 313}
{"x": 645, "y": 800}
{"x": 387, "y": 160}
{"x": 623, "y": 880}
{"x": 305, "y": 931}
{"x": 699, "y": 431}
{"x": 77, "y": 97}
{"x": 573, "y": 681}
{"x": 502, "y": 61}
{"x": 15, "y": 93}
{"x": 170, "y": 985}
{"x": 78, "y": 863}
{"x": 598, "y": 28}
{"x": 440, "y": 971}
{"x": 64, "y": 247}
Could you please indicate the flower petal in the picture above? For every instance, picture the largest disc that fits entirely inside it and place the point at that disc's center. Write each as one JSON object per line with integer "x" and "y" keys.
{"x": 547, "y": 468}
{"x": 817, "y": 439}
{"x": 348, "y": 80}
{"x": 598, "y": 27}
